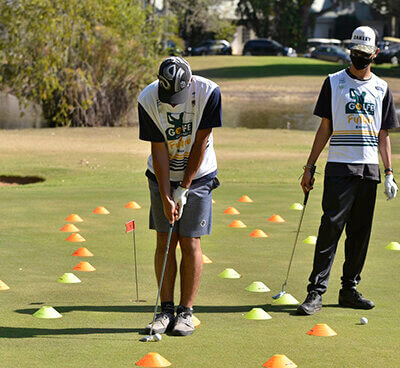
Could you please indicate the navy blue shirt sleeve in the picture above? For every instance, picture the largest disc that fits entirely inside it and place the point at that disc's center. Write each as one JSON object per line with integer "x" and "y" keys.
{"x": 148, "y": 130}
{"x": 323, "y": 108}
{"x": 389, "y": 115}
{"x": 212, "y": 113}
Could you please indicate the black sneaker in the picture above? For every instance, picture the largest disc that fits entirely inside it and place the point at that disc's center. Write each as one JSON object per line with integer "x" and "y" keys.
{"x": 351, "y": 298}
{"x": 164, "y": 322}
{"x": 311, "y": 305}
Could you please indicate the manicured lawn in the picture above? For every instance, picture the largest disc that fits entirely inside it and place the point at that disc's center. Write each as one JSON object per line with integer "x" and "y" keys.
{"x": 101, "y": 323}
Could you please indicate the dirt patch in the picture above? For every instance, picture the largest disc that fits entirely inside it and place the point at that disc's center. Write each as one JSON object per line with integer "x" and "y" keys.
{"x": 8, "y": 180}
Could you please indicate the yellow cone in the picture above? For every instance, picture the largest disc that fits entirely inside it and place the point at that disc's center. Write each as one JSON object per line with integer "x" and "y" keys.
{"x": 47, "y": 312}
{"x": 296, "y": 206}
{"x": 310, "y": 240}
{"x": 393, "y": 246}
{"x": 229, "y": 273}
{"x": 286, "y": 299}
{"x": 257, "y": 287}
{"x": 196, "y": 321}
{"x": 257, "y": 314}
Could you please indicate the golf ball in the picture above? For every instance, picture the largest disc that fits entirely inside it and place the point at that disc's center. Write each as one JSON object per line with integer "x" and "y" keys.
{"x": 157, "y": 337}
{"x": 363, "y": 320}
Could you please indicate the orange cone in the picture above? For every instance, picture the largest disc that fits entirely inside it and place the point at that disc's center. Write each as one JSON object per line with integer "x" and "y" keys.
{"x": 75, "y": 238}
{"x": 101, "y": 211}
{"x": 231, "y": 211}
{"x": 153, "y": 360}
{"x": 257, "y": 233}
{"x": 134, "y": 205}
{"x": 279, "y": 361}
{"x": 74, "y": 218}
{"x": 83, "y": 252}
{"x": 84, "y": 266}
{"x": 321, "y": 329}
{"x": 206, "y": 259}
{"x": 237, "y": 223}
{"x": 69, "y": 228}
{"x": 276, "y": 218}
{"x": 245, "y": 198}
{"x": 3, "y": 286}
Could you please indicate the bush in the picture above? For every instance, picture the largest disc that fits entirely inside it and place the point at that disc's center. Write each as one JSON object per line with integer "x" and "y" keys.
{"x": 82, "y": 61}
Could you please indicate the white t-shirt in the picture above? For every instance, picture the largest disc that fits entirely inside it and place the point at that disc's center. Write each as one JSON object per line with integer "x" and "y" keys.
{"x": 356, "y": 118}
{"x": 179, "y": 126}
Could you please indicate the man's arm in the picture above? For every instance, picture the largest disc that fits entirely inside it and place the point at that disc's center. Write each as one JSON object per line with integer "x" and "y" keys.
{"x": 196, "y": 156}
{"x": 321, "y": 138}
{"x": 159, "y": 152}
{"x": 385, "y": 148}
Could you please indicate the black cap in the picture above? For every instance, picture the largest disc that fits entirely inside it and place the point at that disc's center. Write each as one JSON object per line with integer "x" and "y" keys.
{"x": 174, "y": 78}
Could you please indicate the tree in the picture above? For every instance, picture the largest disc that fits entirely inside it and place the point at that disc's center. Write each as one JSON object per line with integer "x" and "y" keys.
{"x": 345, "y": 25}
{"x": 198, "y": 20}
{"x": 391, "y": 10}
{"x": 287, "y": 21}
{"x": 256, "y": 14}
{"x": 82, "y": 61}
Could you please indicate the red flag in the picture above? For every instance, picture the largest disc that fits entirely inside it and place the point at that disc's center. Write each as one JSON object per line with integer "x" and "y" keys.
{"x": 130, "y": 226}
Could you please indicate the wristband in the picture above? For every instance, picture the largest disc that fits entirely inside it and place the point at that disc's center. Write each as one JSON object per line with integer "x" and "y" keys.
{"x": 309, "y": 166}
{"x": 388, "y": 170}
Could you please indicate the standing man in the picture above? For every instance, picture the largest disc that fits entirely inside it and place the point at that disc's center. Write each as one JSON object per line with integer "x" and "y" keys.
{"x": 176, "y": 114}
{"x": 357, "y": 110}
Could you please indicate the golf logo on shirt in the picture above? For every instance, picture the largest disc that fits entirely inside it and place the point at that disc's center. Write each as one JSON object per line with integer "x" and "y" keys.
{"x": 179, "y": 127}
{"x": 359, "y": 106}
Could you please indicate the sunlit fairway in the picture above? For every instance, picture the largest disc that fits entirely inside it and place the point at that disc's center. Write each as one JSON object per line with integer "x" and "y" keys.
{"x": 101, "y": 324}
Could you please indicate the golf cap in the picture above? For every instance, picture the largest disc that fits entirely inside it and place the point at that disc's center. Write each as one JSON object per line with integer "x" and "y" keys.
{"x": 174, "y": 78}
{"x": 363, "y": 39}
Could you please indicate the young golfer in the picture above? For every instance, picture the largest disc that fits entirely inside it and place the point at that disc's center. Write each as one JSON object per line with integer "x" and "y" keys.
{"x": 357, "y": 110}
{"x": 176, "y": 114}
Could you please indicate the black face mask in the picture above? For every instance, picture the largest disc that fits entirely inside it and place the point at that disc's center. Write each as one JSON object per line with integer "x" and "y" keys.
{"x": 360, "y": 62}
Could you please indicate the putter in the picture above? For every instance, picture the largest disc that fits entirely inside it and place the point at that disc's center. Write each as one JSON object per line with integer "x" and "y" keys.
{"x": 150, "y": 337}
{"x": 283, "y": 292}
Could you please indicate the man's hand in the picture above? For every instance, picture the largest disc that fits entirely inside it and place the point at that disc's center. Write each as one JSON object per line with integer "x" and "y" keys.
{"x": 390, "y": 187}
{"x": 170, "y": 210}
{"x": 307, "y": 181}
{"x": 180, "y": 198}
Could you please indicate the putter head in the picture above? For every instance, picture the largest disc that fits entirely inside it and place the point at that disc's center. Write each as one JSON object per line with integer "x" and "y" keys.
{"x": 277, "y": 296}
{"x": 147, "y": 338}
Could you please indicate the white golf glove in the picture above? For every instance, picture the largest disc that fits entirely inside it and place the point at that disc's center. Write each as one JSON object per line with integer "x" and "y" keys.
{"x": 180, "y": 198}
{"x": 390, "y": 187}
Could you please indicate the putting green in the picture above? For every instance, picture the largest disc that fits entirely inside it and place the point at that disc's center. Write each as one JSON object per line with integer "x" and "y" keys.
{"x": 101, "y": 322}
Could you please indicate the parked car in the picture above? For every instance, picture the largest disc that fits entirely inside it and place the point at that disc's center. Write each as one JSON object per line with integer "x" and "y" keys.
{"x": 313, "y": 43}
{"x": 389, "y": 55}
{"x": 331, "y": 53}
{"x": 211, "y": 47}
{"x": 263, "y": 46}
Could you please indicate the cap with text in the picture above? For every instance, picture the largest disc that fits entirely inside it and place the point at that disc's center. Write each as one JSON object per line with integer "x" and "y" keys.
{"x": 363, "y": 39}
{"x": 174, "y": 78}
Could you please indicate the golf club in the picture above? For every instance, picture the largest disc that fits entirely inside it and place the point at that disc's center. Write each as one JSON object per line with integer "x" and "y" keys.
{"x": 283, "y": 292}
{"x": 157, "y": 337}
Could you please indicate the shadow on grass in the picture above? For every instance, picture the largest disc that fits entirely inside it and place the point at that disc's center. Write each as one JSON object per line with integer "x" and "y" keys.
{"x": 144, "y": 308}
{"x": 283, "y": 70}
{"x": 21, "y": 332}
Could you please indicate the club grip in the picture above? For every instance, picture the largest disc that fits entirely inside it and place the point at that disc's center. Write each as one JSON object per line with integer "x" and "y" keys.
{"x": 312, "y": 172}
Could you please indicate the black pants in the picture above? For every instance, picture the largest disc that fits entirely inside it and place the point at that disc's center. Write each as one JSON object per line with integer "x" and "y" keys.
{"x": 350, "y": 201}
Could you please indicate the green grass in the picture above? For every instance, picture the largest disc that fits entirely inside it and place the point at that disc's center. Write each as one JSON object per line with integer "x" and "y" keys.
{"x": 101, "y": 324}
{"x": 245, "y": 67}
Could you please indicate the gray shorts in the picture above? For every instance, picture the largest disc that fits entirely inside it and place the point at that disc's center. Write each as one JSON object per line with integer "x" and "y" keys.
{"x": 196, "y": 219}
